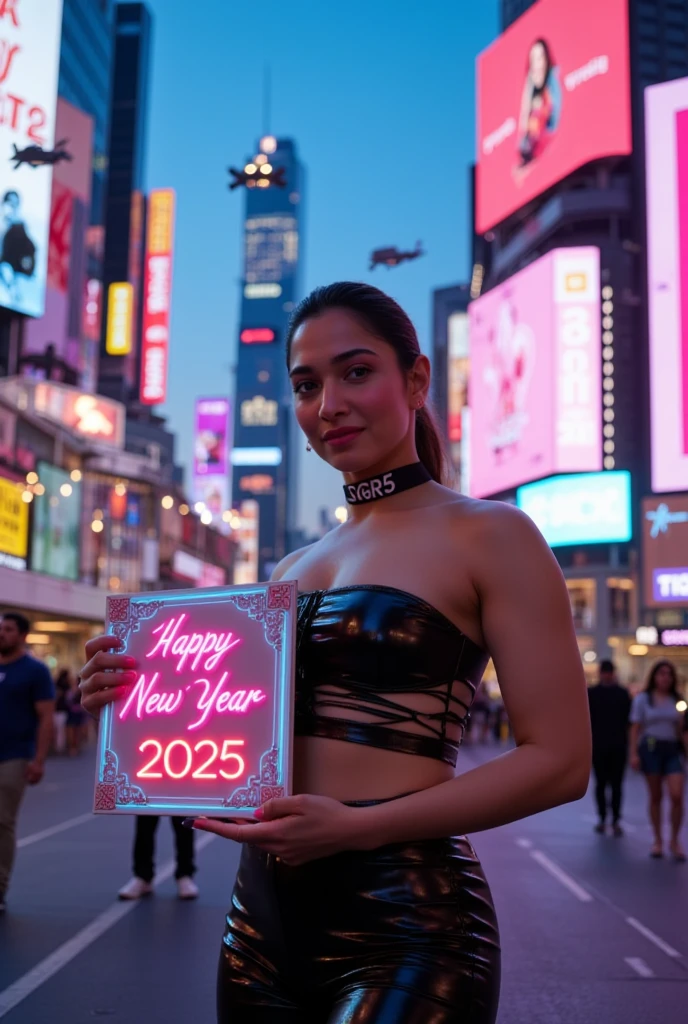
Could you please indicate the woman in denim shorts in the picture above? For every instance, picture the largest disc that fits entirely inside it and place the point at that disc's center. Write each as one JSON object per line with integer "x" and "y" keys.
{"x": 657, "y": 749}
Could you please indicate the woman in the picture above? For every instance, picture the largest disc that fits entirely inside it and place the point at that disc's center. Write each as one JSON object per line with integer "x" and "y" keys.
{"x": 359, "y": 898}
{"x": 540, "y": 103}
{"x": 657, "y": 751}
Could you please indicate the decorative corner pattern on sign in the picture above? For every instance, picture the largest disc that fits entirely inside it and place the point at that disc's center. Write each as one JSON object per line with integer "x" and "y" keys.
{"x": 124, "y": 791}
{"x": 260, "y": 788}
{"x": 279, "y": 596}
{"x": 106, "y": 797}
{"x": 257, "y": 608}
{"x": 126, "y": 615}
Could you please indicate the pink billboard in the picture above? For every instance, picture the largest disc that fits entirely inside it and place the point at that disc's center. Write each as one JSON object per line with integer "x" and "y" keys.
{"x": 536, "y": 390}
{"x": 553, "y": 94}
{"x": 666, "y": 141}
{"x": 211, "y": 455}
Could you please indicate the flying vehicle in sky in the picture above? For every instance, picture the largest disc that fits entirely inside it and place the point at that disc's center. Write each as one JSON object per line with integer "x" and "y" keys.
{"x": 392, "y": 256}
{"x": 36, "y": 156}
{"x": 258, "y": 176}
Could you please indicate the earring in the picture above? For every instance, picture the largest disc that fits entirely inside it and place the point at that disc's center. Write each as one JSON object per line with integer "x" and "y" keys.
{"x": 419, "y": 404}
{"x": 308, "y": 447}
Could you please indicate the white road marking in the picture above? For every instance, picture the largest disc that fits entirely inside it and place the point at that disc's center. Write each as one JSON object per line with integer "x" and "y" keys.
{"x": 525, "y": 844}
{"x": 659, "y": 943}
{"x": 55, "y": 830}
{"x": 64, "y": 954}
{"x": 639, "y": 966}
{"x": 556, "y": 872}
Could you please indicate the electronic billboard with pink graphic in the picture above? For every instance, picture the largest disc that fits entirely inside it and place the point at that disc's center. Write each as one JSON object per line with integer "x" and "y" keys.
{"x": 553, "y": 94}
{"x": 535, "y": 392}
{"x": 666, "y": 140}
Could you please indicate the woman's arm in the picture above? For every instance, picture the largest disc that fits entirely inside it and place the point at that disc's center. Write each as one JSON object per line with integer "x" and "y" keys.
{"x": 526, "y": 620}
{"x": 634, "y": 742}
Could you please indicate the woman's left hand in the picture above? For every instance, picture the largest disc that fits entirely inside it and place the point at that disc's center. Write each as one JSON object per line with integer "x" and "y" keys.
{"x": 296, "y": 829}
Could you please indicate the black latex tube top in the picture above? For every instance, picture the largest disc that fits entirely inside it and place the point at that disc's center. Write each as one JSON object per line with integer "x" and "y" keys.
{"x": 363, "y": 648}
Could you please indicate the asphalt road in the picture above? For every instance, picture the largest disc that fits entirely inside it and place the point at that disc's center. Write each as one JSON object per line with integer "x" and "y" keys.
{"x": 592, "y": 929}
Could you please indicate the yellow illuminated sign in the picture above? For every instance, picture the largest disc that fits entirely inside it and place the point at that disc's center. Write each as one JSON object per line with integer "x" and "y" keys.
{"x": 14, "y": 520}
{"x": 119, "y": 319}
{"x": 160, "y": 222}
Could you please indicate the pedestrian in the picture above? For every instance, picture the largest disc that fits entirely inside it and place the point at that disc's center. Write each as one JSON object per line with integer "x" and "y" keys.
{"x": 76, "y": 717}
{"x": 359, "y": 897}
{"x": 27, "y": 704}
{"x": 657, "y": 750}
{"x": 62, "y": 687}
{"x": 610, "y": 706}
{"x": 141, "y": 884}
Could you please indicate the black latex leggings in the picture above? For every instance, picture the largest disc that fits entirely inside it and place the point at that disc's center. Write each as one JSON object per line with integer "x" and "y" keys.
{"x": 405, "y": 934}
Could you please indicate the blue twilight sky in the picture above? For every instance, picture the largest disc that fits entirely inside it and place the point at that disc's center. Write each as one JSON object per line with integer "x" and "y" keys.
{"x": 379, "y": 96}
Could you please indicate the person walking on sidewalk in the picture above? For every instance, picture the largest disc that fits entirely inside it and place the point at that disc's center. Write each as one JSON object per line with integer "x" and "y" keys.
{"x": 610, "y": 707}
{"x": 658, "y": 749}
{"x": 27, "y": 706}
{"x": 144, "y": 860}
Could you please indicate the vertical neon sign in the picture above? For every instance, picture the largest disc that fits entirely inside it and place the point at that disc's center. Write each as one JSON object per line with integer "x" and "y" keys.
{"x": 157, "y": 291}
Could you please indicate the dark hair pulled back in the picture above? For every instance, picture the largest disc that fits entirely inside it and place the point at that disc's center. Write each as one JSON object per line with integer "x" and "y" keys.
{"x": 651, "y": 684}
{"x": 385, "y": 319}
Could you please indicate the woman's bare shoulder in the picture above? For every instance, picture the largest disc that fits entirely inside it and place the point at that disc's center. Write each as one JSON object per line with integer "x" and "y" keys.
{"x": 286, "y": 568}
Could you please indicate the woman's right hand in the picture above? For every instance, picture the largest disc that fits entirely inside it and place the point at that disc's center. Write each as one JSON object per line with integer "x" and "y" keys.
{"x": 635, "y": 762}
{"x": 105, "y": 677}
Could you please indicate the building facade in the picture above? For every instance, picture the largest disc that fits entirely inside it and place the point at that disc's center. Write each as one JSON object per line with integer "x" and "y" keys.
{"x": 125, "y": 202}
{"x": 599, "y": 204}
{"x": 264, "y": 456}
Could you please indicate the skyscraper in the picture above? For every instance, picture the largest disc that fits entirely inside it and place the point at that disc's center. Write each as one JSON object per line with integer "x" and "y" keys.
{"x": 125, "y": 212}
{"x": 264, "y": 456}
{"x": 86, "y": 57}
{"x": 513, "y": 9}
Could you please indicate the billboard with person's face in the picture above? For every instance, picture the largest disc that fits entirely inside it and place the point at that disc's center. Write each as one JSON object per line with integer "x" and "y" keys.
{"x": 536, "y": 391}
{"x": 30, "y": 36}
{"x": 553, "y": 94}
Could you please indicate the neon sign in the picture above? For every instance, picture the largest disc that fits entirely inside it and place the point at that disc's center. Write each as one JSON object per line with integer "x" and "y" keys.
{"x": 206, "y": 725}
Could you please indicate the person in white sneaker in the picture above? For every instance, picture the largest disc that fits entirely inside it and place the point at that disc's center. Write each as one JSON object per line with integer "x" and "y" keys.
{"x": 144, "y": 859}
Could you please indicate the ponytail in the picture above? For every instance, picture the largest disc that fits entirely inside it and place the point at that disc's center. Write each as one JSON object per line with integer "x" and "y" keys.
{"x": 430, "y": 448}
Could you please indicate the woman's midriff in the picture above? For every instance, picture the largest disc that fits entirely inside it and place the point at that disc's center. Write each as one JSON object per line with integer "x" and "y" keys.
{"x": 352, "y": 771}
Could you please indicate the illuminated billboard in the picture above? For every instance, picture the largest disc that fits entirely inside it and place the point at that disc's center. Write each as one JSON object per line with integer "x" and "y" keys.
{"x": 56, "y": 524}
{"x": 211, "y": 454}
{"x": 553, "y": 94}
{"x": 666, "y": 160}
{"x": 246, "y": 564}
{"x": 536, "y": 406}
{"x": 271, "y": 253}
{"x": 157, "y": 293}
{"x": 29, "y": 59}
{"x": 457, "y": 373}
{"x": 583, "y": 508}
{"x": 665, "y": 551}
{"x": 14, "y": 525}
{"x": 120, "y": 318}
{"x": 257, "y": 336}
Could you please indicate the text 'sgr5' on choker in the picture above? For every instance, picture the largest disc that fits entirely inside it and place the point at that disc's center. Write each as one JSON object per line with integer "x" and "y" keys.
{"x": 386, "y": 484}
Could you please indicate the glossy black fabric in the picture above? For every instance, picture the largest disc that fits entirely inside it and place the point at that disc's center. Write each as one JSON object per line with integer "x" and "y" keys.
{"x": 363, "y": 648}
{"x": 405, "y": 934}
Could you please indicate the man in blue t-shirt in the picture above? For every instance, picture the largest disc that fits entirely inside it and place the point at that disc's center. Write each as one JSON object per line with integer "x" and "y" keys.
{"x": 27, "y": 703}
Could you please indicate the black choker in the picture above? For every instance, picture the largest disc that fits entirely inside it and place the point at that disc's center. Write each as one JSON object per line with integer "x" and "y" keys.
{"x": 385, "y": 484}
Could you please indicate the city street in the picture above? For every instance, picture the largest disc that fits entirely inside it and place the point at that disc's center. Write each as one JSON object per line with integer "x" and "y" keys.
{"x": 592, "y": 929}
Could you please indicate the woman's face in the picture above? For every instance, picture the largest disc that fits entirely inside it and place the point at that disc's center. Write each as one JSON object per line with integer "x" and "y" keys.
{"x": 538, "y": 65}
{"x": 663, "y": 679}
{"x": 351, "y": 399}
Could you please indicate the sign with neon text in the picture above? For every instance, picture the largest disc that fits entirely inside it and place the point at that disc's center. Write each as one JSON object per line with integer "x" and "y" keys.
{"x": 157, "y": 293}
{"x": 206, "y": 726}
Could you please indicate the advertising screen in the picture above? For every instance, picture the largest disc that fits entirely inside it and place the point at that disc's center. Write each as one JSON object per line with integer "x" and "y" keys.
{"x": 14, "y": 525}
{"x": 157, "y": 293}
{"x": 120, "y": 318}
{"x": 271, "y": 250}
{"x": 665, "y": 551}
{"x": 211, "y": 454}
{"x": 457, "y": 373}
{"x": 553, "y": 94}
{"x": 584, "y": 508}
{"x": 56, "y": 524}
{"x": 536, "y": 406}
{"x": 666, "y": 156}
{"x": 29, "y": 59}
